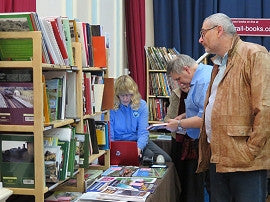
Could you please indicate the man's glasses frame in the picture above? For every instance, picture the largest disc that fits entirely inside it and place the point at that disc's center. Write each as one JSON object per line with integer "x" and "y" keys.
{"x": 204, "y": 31}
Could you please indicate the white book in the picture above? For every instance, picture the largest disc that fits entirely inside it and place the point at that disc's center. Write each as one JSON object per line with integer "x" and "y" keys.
{"x": 71, "y": 104}
{"x": 98, "y": 95}
{"x": 51, "y": 37}
{"x": 81, "y": 38}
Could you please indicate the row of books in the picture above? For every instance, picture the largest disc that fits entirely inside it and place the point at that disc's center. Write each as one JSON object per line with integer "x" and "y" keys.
{"x": 64, "y": 152}
{"x": 58, "y": 33}
{"x": 157, "y": 108}
{"x": 59, "y": 94}
{"x": 158, "y": 57}
{"x": 159, "y": 85}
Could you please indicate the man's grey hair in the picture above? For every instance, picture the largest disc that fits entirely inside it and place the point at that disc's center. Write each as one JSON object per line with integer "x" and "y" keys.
{"x": 177, "y": 63}
{"x": 222, "y": 20}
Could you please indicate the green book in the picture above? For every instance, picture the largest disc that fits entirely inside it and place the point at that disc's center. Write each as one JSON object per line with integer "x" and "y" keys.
{"x": 72, "y": 152}
{"x": 17, "y": 160}
{"x": 84, "y": 147}
{"x": 65, "y": 153}
{"x": 16, "y": 49}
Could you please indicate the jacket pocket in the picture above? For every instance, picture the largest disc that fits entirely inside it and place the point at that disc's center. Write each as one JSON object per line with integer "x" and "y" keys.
{"x": 237, "y": 151}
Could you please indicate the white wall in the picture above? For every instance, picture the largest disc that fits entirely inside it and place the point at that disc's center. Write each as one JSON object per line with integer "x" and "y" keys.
{"x": 109, "y": 13}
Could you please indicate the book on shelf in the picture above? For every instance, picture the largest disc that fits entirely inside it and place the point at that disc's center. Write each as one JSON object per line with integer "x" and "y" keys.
{"x": 91, "y": 129}
{"x": 99, "y": 51}
{"x": 89, "y": 44}
{"x": 87, "y": 93}
{"x": 52, "y": 162}
{"x": 80, "y": 26}
{"x": 64, "y": 136}
{"x": 51, "y": 42}
{"x": 66, "y": 29}
{"x": 46, "y": 108}
{"x": 96, "y": 30}
{"x": 98, "y": 95}
{"x": 108, "y": 94}
{"x": 102, "y": 131}
{"x": 84, "y": 148}
{"x": 62, "y": 89}
{"x": 52, "y": 87}
{"x": 73, "y": 31}
{"x": 71, "y": 95}
{"x": 58, "y": 32}
{"x": 17, "y": 160}
{"x": 16, "y": 106}
{"x": 72, "y": 163}
{"x": 16, "y": 49}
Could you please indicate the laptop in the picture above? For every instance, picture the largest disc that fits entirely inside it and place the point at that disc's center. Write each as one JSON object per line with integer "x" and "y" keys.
{"x": 124, "y": 153}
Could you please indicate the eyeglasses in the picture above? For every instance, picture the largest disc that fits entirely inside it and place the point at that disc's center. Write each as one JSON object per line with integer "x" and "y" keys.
{"x": 204, "y": 31}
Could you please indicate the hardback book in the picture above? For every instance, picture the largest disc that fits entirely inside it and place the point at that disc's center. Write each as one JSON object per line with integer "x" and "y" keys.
{"x": 92, "y": 131}
{"x": 81, "y": 38}
{"x": 52, "y": 86}
{"x": 98, "y": 96}
{"x": 102, "y": 131}
{"x": 17, "y": 160}
{"x": 87, "y": 92}
{"x": 16, "y": 49}
{"x": 62, "y": 90}
{"x": 108, "y": 94}
{"x": 50, "y": 40}
{"x": 46, "y": 108}
{"x": 99, "y": 51}
{"x": 52, "y": 162}
{"x": 59, "y": 36}
{"x": 66, "y": 28}
{"x": 20, "y": 49}
{"x": 72, "y": 165}
{"x": 73, "y": 31}
{"x": 16, "y": 105}
{"x": 64, "y": 136}
{"x": 83, "y": 139}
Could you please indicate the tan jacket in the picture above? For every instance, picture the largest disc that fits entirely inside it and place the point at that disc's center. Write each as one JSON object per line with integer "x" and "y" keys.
{"x": 172, "y": 110}
{"x": 241, "y": 113}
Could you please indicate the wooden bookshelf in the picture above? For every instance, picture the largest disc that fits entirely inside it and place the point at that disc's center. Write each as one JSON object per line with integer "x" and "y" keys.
{"x": 38, "y": 127}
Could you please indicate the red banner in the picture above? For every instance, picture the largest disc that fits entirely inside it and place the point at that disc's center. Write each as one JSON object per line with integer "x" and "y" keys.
{"x": 252, "y": 26}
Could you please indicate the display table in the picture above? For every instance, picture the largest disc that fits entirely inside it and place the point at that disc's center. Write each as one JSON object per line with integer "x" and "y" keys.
{"x": 168, "y": 188}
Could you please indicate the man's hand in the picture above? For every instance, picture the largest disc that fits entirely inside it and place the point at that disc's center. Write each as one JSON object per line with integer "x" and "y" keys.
{"x": 172, "y": 125}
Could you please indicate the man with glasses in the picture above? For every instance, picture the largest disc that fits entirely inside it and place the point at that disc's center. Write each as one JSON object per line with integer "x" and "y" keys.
{"x": 234, "y": 141}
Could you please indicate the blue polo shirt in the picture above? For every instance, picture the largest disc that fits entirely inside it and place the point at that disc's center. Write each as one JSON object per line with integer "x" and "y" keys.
{"x": 129, "y": 124}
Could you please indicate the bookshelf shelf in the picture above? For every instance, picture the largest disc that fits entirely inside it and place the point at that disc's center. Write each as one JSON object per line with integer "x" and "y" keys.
{"x": 38, "y": 127}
